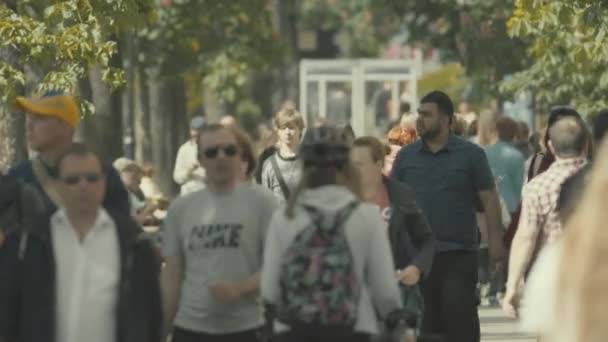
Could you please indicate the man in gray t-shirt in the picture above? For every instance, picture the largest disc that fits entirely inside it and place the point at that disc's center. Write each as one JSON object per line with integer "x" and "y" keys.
{"x": 213, "y": 245}
{"x": 288, "y": 168}
{"x": 282, "y": 171}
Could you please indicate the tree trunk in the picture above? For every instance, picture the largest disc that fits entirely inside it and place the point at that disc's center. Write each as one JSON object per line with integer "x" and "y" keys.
{"x": 213, "y": 107}
{"x": 87, "y": 132}
{"x": 263, "y": 96}
{"x": 128, "y": 94}
{"x": 284, "y": 76}
{"x": 167, "y": 123}
{"x": 107, "y": 119}
{"x": 157, "y": 123}
{"x": 143, "y": 140}
{"x": 12, "y": 138}
{"x": 288, "y": 29}
{"x": 13, "y": 146}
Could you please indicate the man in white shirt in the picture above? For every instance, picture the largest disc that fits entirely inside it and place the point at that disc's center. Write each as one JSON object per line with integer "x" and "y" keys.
{"x": 80, "y": 272}
{"x": 188, "y": 172}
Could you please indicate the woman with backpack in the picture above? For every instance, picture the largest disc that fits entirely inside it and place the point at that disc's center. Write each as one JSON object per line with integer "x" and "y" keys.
{"x": 328, "y": 267}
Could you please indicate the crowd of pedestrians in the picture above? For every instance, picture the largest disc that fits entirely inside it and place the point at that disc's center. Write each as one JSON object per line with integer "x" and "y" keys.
{"x": 318, "y": 235}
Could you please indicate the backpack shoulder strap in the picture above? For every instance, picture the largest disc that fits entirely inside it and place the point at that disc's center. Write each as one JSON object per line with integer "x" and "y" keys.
{"x": 23, "y": 245}
{"x": 47, "y": 182}
{"x": 535, "y": 164}
{"x": 341, "y": 215}
{"x": 279, "y": 175}
{"x": 314, "y": 213}
{"x": 344, "y": 213}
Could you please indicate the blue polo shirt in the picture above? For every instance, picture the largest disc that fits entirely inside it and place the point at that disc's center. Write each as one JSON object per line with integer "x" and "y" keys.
{"x": 446, "y": 184}
{"x": 508, "y": 165}
{"x": 116, "y": 198}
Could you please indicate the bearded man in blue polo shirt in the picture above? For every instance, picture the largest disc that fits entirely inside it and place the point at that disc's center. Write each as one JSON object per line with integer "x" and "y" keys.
{"x": 450, "y": 176}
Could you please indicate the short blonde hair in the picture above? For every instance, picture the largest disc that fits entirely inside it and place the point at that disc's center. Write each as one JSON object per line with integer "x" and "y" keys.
{"x": 286, "y": 115}
{"x": 401, "y": 136}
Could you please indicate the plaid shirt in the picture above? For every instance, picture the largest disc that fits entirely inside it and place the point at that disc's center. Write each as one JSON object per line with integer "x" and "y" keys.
{"x": 539, "y": 199}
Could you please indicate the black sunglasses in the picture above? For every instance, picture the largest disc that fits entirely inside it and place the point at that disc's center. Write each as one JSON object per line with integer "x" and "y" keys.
{"x": 212, "y": 152}
{"x": 91, "y": 178}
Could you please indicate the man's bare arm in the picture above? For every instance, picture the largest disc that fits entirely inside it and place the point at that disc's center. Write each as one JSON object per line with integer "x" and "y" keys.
{"x": 491, "y": 205}
{"x": 522, "y": 249}
{"x": 171, "y": 283}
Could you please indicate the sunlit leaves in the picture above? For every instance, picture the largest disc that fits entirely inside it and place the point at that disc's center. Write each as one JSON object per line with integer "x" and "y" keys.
{"x": 221, "y": 41}
{"x": 10, "y": 78}
{"x": 63, "y": 38}
{"x": 365, "y": 25}
{"x": 569, "y": 46}
{"x": 473, "y": 33}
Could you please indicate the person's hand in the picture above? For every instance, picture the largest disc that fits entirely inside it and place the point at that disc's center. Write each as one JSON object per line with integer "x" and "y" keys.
{"x": 194, "y": 166}
{"x": 510, "y": 304}
{"x": 498, "y": 252}
{"x": 409, "y": 276}
{"x": 150, "y": 208}
{"x": 225, "y": 291}
{"x": 2, "y": 238}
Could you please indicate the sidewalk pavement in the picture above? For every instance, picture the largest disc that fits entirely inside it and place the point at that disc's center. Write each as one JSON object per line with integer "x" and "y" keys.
{"x": 496, "y": 327}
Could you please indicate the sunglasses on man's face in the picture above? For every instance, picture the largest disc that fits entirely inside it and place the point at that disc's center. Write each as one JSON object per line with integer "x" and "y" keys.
{"x": 90, "y": 178}
{"x": 214, "y": 151}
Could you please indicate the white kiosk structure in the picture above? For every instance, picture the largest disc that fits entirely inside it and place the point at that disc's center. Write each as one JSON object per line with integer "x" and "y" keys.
{"x": 363, "y": 92}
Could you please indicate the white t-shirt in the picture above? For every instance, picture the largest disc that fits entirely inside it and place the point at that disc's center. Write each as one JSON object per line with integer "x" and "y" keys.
{"x": 221, "y": 237}
{"x": 540, "y": 296}
{"x": 187, "y": 156}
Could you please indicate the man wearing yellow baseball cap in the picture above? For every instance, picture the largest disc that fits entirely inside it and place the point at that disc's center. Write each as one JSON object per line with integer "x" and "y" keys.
{"x": 53, "y": 104}
{"x": 51, "y": 121}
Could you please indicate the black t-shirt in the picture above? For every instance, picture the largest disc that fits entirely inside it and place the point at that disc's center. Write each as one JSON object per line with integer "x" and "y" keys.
{"x": 18, "y": 202}
{"x": 9, "y": 187}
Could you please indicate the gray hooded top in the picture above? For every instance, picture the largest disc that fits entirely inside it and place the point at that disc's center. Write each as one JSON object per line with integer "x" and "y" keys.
{"x": 368, "y": 242}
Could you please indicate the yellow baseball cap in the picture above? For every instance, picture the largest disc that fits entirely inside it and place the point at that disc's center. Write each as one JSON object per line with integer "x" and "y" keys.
{"x": 53, "y": 104}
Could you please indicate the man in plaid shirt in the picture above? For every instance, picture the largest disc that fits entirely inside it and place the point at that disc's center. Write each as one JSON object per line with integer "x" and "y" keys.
{"x": 539, "y": 223}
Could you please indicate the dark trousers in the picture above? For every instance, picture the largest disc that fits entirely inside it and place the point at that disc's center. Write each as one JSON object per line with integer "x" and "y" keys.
{"x": 484, "y": 266}
{"x": 183, "y": 335}
{"x": 489, "y": 273}
{"x": 450, "y": 299}
{"x": 294, "y": 337}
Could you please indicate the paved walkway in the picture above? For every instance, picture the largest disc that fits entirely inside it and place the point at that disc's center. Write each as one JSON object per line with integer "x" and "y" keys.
{"x": 495, "y": 327}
